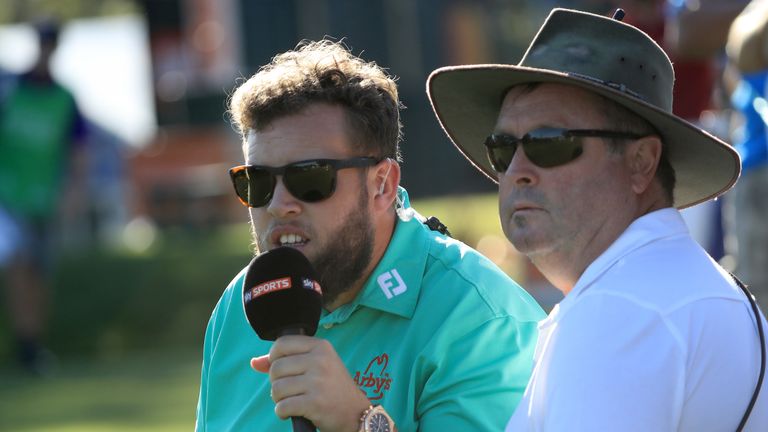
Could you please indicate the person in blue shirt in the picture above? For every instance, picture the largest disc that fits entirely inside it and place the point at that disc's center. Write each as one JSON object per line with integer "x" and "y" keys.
{"x": 747, "y": 53}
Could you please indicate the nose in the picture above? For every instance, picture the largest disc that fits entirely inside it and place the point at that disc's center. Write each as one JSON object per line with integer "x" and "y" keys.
{"x": 521, "y": 171}
{"x": 283, "y": 203}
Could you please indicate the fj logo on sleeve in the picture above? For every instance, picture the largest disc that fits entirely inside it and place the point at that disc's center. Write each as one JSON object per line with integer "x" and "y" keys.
{"x": 387, "y": 284}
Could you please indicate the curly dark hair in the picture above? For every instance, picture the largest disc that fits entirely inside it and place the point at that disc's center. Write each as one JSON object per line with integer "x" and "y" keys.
{"x": 324, "y": 71}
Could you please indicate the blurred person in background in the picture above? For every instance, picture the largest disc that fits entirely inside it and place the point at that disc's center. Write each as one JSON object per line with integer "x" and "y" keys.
{"x": 747, "y": 50}
{"x": 415, "y": 323}
{"x": 693, "y": 33}
{"x": 41, "y": 134}
{"x": 592, "y": 166}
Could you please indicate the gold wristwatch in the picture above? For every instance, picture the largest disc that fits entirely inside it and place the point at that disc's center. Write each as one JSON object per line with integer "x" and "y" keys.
{"x": 375, "y": 419}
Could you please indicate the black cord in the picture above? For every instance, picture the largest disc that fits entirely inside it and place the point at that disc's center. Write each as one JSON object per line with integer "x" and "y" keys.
{"x": 755, "y": 310}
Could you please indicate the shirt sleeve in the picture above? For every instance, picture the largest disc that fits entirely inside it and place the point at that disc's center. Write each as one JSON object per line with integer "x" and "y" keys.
{"x": 478, "y": 377}
{"x": 592, "y": 377}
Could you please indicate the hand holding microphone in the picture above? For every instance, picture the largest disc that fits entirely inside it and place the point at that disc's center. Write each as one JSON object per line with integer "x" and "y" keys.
{"x": 282, "y": 301}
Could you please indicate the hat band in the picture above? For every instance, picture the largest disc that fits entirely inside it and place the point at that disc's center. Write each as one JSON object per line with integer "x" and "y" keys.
{"x": 616, "y": 86}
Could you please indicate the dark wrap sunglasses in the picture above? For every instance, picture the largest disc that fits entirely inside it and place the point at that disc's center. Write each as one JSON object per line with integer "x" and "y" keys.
{"x": 545, "y": 147}
{"x": 310, "y": 180}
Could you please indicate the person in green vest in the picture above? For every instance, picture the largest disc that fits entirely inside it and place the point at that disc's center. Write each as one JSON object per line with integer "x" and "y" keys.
{"x": 41, "y": 133}
{"x": 417, "y": 329}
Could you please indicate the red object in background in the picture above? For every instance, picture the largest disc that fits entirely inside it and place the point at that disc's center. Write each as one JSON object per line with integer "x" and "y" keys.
{"x": 694, "y": 79}
{"x": 694, "y": 84}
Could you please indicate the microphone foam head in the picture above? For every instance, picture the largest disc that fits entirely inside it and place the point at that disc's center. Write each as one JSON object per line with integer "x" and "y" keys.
{"x": 281, "y": 294}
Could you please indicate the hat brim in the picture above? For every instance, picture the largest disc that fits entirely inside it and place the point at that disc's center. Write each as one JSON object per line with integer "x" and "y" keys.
{"x": 467, "y": 99}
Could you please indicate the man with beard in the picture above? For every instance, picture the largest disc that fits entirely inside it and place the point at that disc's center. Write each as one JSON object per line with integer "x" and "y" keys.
{"x": 416, "y": 327}
{"x": 592, "y": 166}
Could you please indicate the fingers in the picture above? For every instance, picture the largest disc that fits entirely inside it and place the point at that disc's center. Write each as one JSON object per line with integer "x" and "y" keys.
{"x": 309, "y": 379}
{"x": 289, "y": 366}
{"x": 286, "y": 346}
{"x": 292, "y": 385}
{"x": 291, "y": 407}
{"x": 288, "y": 387}
{"x": 292, "y": 345}
{"x": 261, "y": 363}
{"x": 296, "y": 375}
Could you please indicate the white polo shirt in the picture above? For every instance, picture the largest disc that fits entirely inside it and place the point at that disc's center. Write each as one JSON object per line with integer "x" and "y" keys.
{"x": 655, "y": 336}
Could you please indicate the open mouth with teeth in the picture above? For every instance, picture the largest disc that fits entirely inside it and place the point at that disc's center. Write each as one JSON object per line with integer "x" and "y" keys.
{"x": 292, "y": 240}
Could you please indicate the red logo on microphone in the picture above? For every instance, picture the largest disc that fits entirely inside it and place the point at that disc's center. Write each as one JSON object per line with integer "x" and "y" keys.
{"x": 375, "y": 380}
{"x": 268, "y": 287}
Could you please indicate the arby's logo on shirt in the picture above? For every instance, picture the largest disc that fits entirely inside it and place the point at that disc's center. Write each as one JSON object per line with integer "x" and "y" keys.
{"x": 375, "y": 379}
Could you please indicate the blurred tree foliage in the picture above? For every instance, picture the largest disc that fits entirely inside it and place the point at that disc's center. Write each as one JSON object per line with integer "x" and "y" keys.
{"x": 105, "y": 302}
{"x": 13, "y": 11}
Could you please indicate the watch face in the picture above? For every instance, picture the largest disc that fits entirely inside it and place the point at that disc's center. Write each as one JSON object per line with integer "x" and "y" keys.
{"x": 379, "y": 423}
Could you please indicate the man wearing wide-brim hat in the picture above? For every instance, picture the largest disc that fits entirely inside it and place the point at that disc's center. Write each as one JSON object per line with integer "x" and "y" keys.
{"x": 592, "y": 166}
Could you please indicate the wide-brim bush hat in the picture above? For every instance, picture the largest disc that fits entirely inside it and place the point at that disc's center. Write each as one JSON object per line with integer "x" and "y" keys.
{"x": 602, "y": 55}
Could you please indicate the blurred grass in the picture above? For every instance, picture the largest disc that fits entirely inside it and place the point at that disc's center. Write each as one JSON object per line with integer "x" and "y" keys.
{"x": 154, "y": 391}
{"x": 107, "y": 302}
{"x": 129, "y": 327}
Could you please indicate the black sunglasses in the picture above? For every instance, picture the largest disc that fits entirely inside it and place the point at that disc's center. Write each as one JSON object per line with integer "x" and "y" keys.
{"x": 546, "y": 147}
{"x": 310, "y": 180}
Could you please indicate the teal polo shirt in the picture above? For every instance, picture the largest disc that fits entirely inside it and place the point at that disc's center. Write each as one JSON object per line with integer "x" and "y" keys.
{"x": 439, "y": 336}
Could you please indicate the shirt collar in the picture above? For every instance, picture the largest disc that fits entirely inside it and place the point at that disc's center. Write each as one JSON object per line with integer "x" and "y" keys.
{"x": 395, "y": 283}
{"x": 646, "y": 229}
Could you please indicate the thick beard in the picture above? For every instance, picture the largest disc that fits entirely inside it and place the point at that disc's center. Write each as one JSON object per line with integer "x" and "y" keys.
{"x": 348, "y": 254}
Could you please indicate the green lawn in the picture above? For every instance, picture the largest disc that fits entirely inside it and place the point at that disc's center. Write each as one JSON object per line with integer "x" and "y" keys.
{"x": 148, "y": 392}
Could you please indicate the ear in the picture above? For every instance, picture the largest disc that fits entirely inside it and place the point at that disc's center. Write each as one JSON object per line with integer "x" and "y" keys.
{"x": 642, "y": 157}
{"x": 386, "y": 179}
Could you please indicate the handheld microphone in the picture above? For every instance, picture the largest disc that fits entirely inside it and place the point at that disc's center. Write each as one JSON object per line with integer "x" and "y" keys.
{"x": 281, "y": 296}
